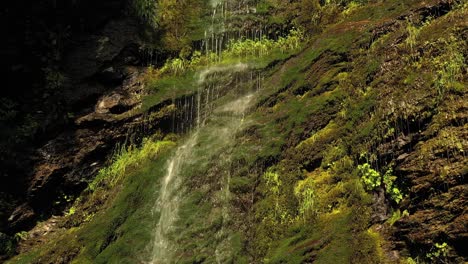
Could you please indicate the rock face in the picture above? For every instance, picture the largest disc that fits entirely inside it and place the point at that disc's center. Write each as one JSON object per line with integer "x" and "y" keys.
{"x": 95, "y": 108}
{"x": 436, "y": 172}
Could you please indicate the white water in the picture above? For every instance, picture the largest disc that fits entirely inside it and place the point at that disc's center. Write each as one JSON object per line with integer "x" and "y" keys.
{"x": 216, "y": 130}
{"x": 168, "y": 202}
{"x": 216, "y": 121}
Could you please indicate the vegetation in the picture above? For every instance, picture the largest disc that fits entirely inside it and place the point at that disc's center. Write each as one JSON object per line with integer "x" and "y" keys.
{"x": 242, "y": 49}
{"x": 305, "y": 194}
{"x": 145, "y": 10}
{"x": 127, "y": 157}
{"x": 112, "y": 213}
{"x": 273, "y": 183}
{"x": 438, "y": 253}
{"x": 372, "y": 181}
{"x": 291, "y": 184}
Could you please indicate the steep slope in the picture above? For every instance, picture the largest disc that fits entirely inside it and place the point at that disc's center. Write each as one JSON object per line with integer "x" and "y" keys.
{"x": 349, "y": 150}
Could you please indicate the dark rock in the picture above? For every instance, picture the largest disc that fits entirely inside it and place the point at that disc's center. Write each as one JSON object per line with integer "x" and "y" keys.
{"x": 380, "y": 207}
{"x": 23, "y": 217}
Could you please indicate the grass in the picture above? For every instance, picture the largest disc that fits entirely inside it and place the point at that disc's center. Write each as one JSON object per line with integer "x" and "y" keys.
{"x": 180, "y": 76}
{"x": 121, "y": 231}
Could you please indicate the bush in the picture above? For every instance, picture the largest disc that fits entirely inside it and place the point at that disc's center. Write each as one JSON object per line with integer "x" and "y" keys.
{"x": 372, "y": 180}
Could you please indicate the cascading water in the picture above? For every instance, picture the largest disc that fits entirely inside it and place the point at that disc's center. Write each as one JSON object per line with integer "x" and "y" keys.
{"x": 167, "y": 204}
{"x": 211, "y": 118}
{"x": 218, "y": 120}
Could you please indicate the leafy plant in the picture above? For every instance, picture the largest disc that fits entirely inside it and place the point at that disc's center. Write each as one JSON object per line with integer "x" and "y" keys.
{"x": 372, "y": 180}
{"x": 413, "y": 33}
{"x": 23, "y": 235}
{"x": 396, "y": 215}
{"x": 390, "y": 188}
{"x": 439, "y": 252}
{"x": 238, "y": 49}
{"x": 449, "y": 65}
{"x": 71, "y": 211}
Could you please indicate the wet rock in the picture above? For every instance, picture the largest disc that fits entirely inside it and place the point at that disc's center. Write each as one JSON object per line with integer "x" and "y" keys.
{"x": 22, "y": 217}
{"x": 380, "y": 208}
{"x": 111, "y": 76}
{"x": 103, "y": 87}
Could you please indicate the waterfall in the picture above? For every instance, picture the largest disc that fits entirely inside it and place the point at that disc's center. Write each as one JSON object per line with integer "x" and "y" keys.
{"x": 167, "y": 203}
{"x": 210, "y": 118}
{"x": 218, "y": 121}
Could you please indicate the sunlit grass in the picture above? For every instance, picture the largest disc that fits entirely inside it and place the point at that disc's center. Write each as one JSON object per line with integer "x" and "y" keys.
{"x": 128, "y": 157}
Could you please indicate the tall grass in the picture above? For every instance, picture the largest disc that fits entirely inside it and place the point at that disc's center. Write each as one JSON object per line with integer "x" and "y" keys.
{"x": 238, "y": 49}
{"x": 127, "y": 158}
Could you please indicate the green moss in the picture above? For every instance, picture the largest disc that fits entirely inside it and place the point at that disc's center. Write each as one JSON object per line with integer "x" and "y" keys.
{"x": 122, "y": 230}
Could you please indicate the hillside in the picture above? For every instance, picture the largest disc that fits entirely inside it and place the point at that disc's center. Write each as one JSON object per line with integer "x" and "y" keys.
{"x": 237, "y": 131}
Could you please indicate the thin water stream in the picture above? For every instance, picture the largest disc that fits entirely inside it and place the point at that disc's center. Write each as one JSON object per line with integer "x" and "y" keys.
{"x": 210, "y": 118}
{"x": 218, "y": 121}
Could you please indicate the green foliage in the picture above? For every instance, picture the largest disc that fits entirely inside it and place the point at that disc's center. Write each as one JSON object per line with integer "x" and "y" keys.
{"x": 239, "y": 49}
{"x": 397, "y": 215}
{"x": 23, "y": 235}
{"x": 309, "y": 15}
{"x": 305, "y": 194}
{"x": 273, "y": 182}
{"x": 438, "y": 253}
{"x": 411, "y": 39}
{"x": 372, "y": 180}
{"x": 178, "y": 20}
{"x": 127, "y": 158}
{"x": 449, "y": 66}
{"x": 390, "y": 188}
{"x": 175, "y": 66}
{"x": 145, "y": 11}
{"x": 410, "y": 260}
{"x": 122, "y": 229}
{"x": 71, "y": 211}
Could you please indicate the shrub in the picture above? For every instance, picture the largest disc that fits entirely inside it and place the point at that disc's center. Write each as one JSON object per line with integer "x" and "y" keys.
{"x": 438, "y": 253}
{"x": 144, "y": 10}
{"x": 372, "y": 180}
